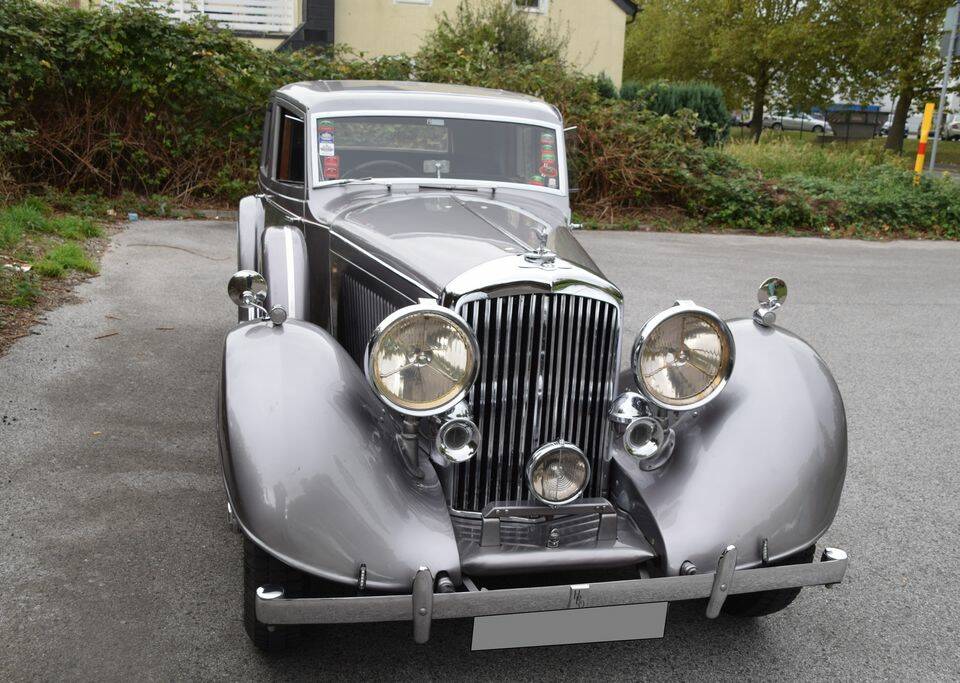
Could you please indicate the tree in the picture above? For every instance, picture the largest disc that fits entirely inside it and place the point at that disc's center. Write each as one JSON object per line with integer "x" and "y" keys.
{"x": 756, "y": 50}
{"x": 893, "y": 47}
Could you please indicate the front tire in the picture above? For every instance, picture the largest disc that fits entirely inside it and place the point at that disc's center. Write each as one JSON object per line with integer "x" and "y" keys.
{"x": 259, "y": 569}
{"x": 767, "y": 602}
{"x": 818, "y": 130}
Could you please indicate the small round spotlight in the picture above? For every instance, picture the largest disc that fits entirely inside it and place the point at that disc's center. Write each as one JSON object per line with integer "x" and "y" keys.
{"x": 558, "y": 473}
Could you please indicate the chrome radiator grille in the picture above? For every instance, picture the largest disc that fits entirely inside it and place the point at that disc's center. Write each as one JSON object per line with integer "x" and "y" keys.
{"x": 547, "y": 371}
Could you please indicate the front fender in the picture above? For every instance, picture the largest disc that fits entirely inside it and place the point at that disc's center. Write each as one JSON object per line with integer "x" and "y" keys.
{"x": 310, "y": 463}
{"x": 765, "y": 460}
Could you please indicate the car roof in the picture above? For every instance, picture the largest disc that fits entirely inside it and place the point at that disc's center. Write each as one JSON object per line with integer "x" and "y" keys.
{"x": 333, "y": 97}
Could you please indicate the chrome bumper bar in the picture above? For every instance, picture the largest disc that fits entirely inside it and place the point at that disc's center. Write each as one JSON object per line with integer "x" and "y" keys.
{"x": 423, "y": 605}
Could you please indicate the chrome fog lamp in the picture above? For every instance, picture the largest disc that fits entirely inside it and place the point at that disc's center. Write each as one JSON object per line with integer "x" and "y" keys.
{"x": 558, "y": 473}
{"x": 458, "y": 440}
{"x": 422, "y": 359}
{"x": 683, "y": 357}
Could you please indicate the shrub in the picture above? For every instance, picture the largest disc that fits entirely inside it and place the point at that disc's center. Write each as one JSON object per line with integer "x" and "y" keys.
{"x": 491, "y": 35}
{"x": 121, "y": 98}
{"x": 605, "y": 87}
{"x": 491, "y": 45}
{"x": 705, "y": 99}
{"x": 884, "y": 198}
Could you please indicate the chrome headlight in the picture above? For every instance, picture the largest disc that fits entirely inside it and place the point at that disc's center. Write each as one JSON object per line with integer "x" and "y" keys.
{"x": 558, "y": 473}
{"x": 422, "y": 359}
{"x": 683, "y": 357}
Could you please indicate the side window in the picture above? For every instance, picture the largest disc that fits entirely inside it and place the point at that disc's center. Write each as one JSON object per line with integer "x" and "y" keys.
{"x": 265, "y": 147}
{"x": 290, "y": 151}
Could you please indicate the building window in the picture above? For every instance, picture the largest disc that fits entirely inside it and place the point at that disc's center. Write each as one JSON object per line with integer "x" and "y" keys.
{"x": 539, "y": 6}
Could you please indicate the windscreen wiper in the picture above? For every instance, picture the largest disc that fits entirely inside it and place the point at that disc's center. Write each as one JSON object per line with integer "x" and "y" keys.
{"x": 346, "y": 181}
{"x": 459, "y": 188}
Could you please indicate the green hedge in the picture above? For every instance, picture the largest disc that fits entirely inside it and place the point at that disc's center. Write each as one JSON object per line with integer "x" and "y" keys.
{"x": 705, "y": 99}
{"x": 124, "y": 99}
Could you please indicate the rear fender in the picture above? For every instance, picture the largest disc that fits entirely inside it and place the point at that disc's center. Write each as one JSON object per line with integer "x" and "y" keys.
{"x": 311, "y": 465}
{"x": 765, "y": 460}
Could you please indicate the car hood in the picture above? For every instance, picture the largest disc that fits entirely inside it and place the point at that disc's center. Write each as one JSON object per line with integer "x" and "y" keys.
{"x": 432, "y": 237}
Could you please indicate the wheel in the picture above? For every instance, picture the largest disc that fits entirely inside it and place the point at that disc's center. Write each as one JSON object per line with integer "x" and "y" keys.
{"x": 261, "y": 568}
{"x": 776, "y": 126}
{"x": 767, "y": 602}
{"x": 818, "y": 130}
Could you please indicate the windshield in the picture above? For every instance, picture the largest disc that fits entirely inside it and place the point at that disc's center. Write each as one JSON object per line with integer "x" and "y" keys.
{"x": 436, "y": 149}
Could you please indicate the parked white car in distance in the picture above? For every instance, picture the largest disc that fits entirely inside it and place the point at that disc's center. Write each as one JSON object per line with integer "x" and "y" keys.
{"x": 797, "y": 121}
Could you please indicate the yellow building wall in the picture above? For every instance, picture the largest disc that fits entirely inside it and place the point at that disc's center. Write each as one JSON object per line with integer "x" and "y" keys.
{"x": 594, "y": 29}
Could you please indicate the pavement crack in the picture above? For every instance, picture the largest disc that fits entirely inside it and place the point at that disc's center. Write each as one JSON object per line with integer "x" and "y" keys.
{"x": 170, "y": 246}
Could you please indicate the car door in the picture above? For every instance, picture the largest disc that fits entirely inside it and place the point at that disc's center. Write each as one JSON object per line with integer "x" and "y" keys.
{"x": 282, "y": 256}
{"x": 283, "y": 176}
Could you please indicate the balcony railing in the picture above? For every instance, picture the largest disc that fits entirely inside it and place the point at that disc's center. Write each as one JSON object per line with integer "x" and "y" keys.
{"x": 275, "y": 17}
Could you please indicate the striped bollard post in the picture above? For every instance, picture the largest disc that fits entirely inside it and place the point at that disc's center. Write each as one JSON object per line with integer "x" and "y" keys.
{"x": 922, "y": 145}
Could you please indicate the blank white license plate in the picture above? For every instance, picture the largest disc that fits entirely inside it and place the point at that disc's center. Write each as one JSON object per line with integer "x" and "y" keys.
{"x": 583, "y": 625}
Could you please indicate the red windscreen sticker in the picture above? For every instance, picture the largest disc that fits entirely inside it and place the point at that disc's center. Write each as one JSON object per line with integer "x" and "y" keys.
{"x": 331, "y": 168}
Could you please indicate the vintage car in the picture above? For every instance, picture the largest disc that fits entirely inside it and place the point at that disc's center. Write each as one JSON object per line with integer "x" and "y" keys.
{"x": 428, "y": 409}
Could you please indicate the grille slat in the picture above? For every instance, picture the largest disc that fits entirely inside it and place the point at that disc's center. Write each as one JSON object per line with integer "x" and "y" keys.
{"x": 547, "y": 370}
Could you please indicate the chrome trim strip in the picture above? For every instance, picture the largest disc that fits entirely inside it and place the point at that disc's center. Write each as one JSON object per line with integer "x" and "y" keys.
{"x": 291, "y": 283}
{"x": 513, "y": 274}
{"x": 365, "y": 252}
{"x": 541, "y": 358}
{"x": 496, "y": 226}
{"x": 526, "y": 380}
{"x": 515, "y": 441}
{"x": 483, "y": 418}
{"x": 557, "y": 129}
{"x": 360, "y": 268}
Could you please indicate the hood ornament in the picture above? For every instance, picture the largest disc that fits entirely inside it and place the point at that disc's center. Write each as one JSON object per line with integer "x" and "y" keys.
{"x": 541, "y": 257}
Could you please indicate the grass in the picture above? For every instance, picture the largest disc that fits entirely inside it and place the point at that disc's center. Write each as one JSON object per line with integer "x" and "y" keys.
{"x": 51, "y": 243}
{"x": 948, "y": 151}
{"x": 63, "y": 258}
{"x": 777, "y": 158}
{"x": 25, "y": 291}
{"x": 33, "y": 217}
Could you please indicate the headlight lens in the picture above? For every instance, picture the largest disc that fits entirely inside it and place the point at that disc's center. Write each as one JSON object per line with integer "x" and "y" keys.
{"x": 558, "y": 472}
{"x": 683, "y": 357}
{"x": 422, "y": 359}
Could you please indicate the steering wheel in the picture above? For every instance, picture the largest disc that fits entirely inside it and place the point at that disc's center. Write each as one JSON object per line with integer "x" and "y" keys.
{"x": 407, "y": 171}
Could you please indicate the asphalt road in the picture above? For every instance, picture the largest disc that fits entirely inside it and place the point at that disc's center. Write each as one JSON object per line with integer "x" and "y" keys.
{"x": 116, "y": 560}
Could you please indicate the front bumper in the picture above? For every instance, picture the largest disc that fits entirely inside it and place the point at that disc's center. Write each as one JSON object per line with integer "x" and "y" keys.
{"x": 422, "y": 606}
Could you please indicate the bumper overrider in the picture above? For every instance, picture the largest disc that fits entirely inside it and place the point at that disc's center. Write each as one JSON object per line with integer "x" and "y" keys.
{"x": 423, "y": 605}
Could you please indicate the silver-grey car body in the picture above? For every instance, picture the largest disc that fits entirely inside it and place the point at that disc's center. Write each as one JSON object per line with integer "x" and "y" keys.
{"x": 312, "y": 456}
